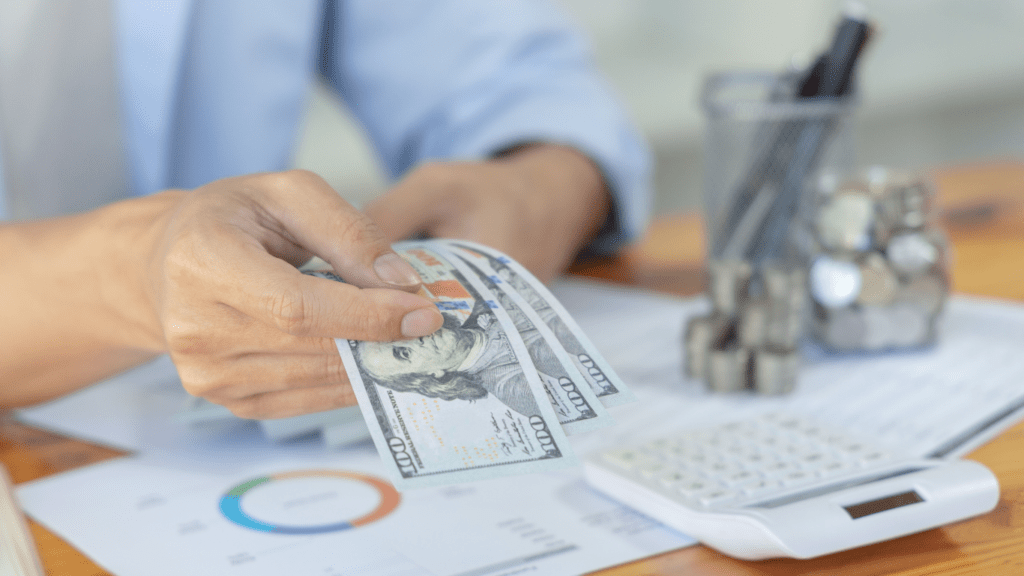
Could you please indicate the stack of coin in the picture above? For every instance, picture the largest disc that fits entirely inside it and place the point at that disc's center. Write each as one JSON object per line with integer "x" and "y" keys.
{"x": 880, "y": 277}
{"x": 749, "y": 340}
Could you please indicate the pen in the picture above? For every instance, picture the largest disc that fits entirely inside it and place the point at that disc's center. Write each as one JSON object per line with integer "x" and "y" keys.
{"x": 833, "y": 74}
{"x": 768, "y": 197}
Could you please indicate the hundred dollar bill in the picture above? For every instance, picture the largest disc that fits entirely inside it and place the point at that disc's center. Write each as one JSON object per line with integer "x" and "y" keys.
{"x": 576, "y": 405}
{"x": 462, "y": 404}
{"x": 598, "y": 373}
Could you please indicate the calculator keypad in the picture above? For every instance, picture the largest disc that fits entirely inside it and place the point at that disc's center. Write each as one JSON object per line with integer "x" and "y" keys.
{"x": 745, "y": 461}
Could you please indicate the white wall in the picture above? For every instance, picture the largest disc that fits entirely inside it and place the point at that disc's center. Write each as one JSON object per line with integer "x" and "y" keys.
{"x": 942, "y": 81}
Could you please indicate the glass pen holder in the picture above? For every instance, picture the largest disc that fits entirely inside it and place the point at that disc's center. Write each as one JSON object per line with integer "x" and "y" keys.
{"x": 767, "y": 154}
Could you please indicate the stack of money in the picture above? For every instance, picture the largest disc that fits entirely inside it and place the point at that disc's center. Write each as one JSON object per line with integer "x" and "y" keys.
{"x": 496, "y": 390}
{"x": 880, "y": 278}
{"x": 749, "y": 341}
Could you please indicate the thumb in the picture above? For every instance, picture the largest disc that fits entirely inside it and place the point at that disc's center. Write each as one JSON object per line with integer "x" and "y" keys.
{"x": 334, "y": 230}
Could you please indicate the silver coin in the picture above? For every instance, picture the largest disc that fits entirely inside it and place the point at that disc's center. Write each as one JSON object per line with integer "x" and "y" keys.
{"x": 846, "y": 221}
{"x": 908, "y": 203}
{"x": 876, "y": 180}
{"x": 775, "y": 371}
{"x": 753, "y": 324}
{"x": 728, "y": 369}
{"x": 844, "y": 329}
{"x": 728, "y": 284}
{"x": 827, "y": 184}
{"x": 912, "y": 253}
{"x": 834, "y": 283}
{"x": 928, "y": 291}
{"x": 784, "y": 286}
{"x": 785, "y": 327}
{"x": 878, "y": 328}
{"x": 911, "y": 325}
{"x": 879, "y": 284}
{"x": 701, "y": 332}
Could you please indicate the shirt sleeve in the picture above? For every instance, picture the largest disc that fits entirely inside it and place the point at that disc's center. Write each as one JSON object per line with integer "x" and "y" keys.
{"x": 465, "y": 79}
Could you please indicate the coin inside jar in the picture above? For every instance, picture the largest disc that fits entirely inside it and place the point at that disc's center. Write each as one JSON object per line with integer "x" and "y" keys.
{"x": 834, "y": 283}
{"x": 878, "y": 327}
{"x": 907, "y": 204}
{"x": 928, "y": 291}
{"x": 846, "y": 220}
{"x": 911, "y": 325}
{"x": 878, "y": 283}
{"x": 844, "y": 329}
{"x": 912, "y": 253}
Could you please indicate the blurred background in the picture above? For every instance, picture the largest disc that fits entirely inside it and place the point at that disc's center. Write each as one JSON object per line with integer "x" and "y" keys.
{"x": 942, "y": 82}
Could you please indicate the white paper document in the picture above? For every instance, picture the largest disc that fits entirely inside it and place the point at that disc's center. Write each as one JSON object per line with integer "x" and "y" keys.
{"x": 219, "y": 497}
{"x": 332, "y": 514}
{"x": 943, "y": 400}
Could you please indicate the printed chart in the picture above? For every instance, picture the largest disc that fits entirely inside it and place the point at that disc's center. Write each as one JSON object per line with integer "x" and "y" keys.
{"x": 330, "y": 514}
{"x": 320, "y": 489}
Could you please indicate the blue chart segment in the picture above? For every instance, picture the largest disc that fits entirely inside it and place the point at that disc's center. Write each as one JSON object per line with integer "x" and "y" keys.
{"x": 231, "y": 503}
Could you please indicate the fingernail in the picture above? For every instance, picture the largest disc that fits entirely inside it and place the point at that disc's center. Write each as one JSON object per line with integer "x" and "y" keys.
{"x": 393, "y": 270}
{"x": 421, "y": 322}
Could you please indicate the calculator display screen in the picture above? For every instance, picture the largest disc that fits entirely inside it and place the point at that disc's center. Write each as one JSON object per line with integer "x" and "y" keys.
{"x": 882, "y": 504}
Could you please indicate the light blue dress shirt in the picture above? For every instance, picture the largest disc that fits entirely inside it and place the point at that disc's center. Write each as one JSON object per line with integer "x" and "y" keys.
{"x": 216, "y": 89}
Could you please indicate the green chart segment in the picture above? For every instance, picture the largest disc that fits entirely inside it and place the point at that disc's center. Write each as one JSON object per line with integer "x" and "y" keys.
{"x": 231, "y": 502}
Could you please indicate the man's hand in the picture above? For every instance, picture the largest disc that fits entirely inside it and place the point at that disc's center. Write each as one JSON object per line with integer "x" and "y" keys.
{"x": 539, "y": 204}
{"x": 210, "y": 277}
{"x": 244, "y": 327}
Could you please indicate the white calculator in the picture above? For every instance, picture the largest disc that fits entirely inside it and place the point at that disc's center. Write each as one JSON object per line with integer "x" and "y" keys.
{"x": 781, "y": 485}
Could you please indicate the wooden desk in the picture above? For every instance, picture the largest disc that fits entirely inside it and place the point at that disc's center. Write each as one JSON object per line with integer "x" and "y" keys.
{"x": 983, "y": 212}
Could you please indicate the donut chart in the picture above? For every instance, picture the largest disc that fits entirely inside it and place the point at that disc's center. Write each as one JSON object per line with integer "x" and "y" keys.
{"x": 231, "y": 503}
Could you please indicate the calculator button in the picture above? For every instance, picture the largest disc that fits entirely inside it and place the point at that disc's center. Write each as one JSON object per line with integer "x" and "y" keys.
{"x": 813, "y": 460}
{"x": 651, "y": 469}
{"x": 722, "y": 467}
{"x": 738, "y": 449}
{"x": 697, "y": 460}
{"x": 797, "y": 449}
{"x": 778, "y": 467}
{"x": 837, "y": 440}
{"x": 675, "y": 478}
{"x": 796, "y": 477}
{"x": 874, "y": 457}
{"x": 677, "y": 448}
{"x": 789, "y": 423}
{"x": 694, "y": 486}
{"x": 659, "y": 445}
{"x": 833, "y": 467}
{"x": 854, "y": 448}
{"x": 740, "y": 477}
{"x": 813, "y": 431}
{"x": 716, "y": 497}
{"x": 625, "y": 459}
{"x": 755, "y": 459}
{"x": 759, "y": 486}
